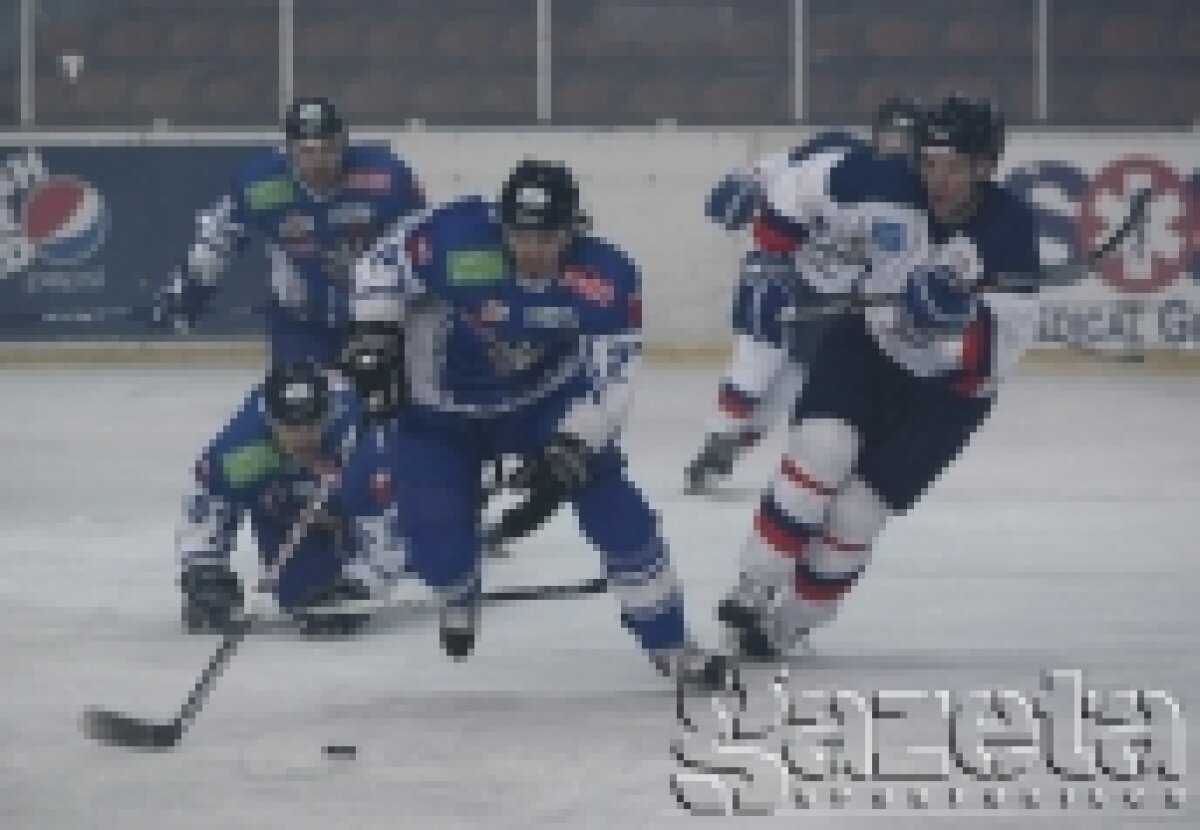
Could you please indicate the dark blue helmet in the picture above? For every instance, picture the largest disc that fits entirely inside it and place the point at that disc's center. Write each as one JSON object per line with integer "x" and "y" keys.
{"x": 540, "y": 194}
{"x": 312, "y": 118}
{"x": 895, "y": 127}
{"x": 902, "y": 114}
{"x": 297, "y": 393}
{"x": 971, "y": 126}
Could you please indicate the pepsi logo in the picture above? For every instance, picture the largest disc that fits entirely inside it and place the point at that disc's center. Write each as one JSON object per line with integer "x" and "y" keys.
{"x": 65, "y": 219}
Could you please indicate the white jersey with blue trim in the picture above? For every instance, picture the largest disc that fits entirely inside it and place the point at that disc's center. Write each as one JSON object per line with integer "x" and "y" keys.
{"x": 868, "y": 226}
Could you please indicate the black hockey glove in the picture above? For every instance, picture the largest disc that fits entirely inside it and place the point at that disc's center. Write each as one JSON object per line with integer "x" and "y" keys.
{"x": 179, "y": 304}
{"x": 561, "y": 468}
{"x": 374, "y": 362}
{"x": 212, "y": 596}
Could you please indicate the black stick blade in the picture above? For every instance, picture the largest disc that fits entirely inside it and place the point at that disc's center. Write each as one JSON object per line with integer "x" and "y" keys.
{"x": 122, "y": 730}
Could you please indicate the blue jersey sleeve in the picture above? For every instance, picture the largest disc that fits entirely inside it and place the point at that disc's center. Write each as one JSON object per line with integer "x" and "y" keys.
{"x": 375, "y": 172}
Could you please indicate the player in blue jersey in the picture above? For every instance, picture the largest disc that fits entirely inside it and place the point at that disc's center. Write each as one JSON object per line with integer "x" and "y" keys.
{"x": 898, "y": 386}
{"x": 317, "y": 205}
{"x": 766, "y": 373}
{"x": 521, "y": 334}
{"x": 298, "y": 429}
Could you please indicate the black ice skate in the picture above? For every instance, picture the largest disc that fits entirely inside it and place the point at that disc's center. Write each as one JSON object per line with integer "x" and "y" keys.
{"x": 715, "y": 461}
{"x": 458, "y": 622}
{"x": 747, "y": 630}
{"x": 694, "y": 668}
{"x": 321, "y": 617}
{"x": 212, "y": 597}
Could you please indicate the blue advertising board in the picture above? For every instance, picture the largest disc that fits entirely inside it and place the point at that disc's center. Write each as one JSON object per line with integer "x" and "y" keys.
{"x": 88, "y": 234}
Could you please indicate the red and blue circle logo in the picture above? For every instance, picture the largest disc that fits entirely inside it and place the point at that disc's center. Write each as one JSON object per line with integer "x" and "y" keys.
{"x": 65, "y": 219}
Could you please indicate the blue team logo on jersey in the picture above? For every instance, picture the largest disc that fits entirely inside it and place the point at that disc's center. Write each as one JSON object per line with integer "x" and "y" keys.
{"x": 65, "y": 219}
{"x": 889, "y": 237}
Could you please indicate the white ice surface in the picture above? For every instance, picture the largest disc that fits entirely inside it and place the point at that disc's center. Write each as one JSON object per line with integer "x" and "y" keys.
{"x": 1065, "y": 538}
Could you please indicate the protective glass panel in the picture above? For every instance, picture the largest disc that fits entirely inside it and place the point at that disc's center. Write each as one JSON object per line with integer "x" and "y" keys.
{"x": 1133, "y": 62}
{"x": 140, "y": 63}
{"x": 386, "y": 62}
{"x": 693, "y": 61}
{"x": 859, "y": 52}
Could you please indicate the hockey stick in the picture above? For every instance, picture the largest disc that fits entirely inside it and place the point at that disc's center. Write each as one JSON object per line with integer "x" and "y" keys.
{"x": 124, "y": 730}
{"x": 1049, "y": 276}
{"x": 517, "y": 522}
{"x": 431, "y": 602}
{"x": 111, "y": 727}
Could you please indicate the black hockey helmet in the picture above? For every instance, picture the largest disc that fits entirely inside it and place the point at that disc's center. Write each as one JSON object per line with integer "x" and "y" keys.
{"x": 297, "y": 394}
{"x": 971, "y": 126}
{"x": 899, "y": 113}
{"x": 540, "y": 195}
{"x": 312, "y": 118}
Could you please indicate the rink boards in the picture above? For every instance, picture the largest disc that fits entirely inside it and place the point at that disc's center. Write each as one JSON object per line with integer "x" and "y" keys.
{"x": 96, "y": 221}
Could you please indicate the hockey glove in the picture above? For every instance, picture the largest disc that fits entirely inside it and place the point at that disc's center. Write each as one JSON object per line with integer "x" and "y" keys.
{"x": 374, "y": 361}
{"x": 212, "y": 595}
{"x": 179, "y": 304}
{"x": 734, "y": 201}
{"x": 561, "y": 468}
{"x": 937, "y": 299}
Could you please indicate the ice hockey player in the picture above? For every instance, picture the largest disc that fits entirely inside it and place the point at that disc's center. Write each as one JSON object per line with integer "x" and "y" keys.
{"x": 897, "y": 388}
{"x": 317, "y": 205}
{"x": 300, "y": 427}
{"x": 766, "y": 371}
{"x": 522, "y": 332}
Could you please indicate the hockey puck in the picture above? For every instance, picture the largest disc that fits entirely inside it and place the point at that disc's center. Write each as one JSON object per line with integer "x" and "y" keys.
{"x": 343, "y": 752}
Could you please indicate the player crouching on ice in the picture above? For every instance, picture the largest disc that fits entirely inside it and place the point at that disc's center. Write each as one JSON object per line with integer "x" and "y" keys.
{"x": 766, "y": 372}
{"x": 520, "y": 336}
{"x": 297, "y": 431}
{"x": 898, "y": 385}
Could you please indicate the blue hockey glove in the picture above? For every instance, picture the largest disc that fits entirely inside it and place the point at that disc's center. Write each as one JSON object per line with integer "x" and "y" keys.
{"x": 734, "y": 201}
{"x": 936, "y": 298}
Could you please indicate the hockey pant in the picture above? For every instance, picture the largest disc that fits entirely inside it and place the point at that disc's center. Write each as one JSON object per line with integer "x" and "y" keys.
{"x": 208, "y": 534}
{"x": 868, "y": 438}
{"x": 438, "y": 470}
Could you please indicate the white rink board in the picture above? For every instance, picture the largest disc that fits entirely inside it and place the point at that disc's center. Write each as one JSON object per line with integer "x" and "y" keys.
{"x": 645, "y": 189}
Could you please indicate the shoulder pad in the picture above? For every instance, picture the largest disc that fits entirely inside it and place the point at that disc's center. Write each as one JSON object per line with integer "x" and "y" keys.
{"x": 266, "y": 183}
{"x": 244, "y": 465}
{"x": 606, "y": 258}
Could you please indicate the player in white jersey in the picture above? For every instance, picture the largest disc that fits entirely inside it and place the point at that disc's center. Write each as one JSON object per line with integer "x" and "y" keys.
{"x": 899, "y": 384}
{"x": 766, "y": 372}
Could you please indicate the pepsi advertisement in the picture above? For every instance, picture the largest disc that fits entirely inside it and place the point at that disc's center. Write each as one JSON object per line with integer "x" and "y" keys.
{"x": 88, "y": 234}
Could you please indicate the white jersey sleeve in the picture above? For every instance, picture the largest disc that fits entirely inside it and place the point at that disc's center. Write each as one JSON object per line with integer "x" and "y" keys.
{"x": 609, "y": 363}
{"x": 385, "y": 283}
{"x": 220, "y": 233}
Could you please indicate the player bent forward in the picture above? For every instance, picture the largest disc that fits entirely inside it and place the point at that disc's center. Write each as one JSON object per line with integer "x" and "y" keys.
{"x": 297, "y": 429}
{"x": 895, "y": 391}
{"x": 521, "y": 333}
{"x": 766, "y": 372}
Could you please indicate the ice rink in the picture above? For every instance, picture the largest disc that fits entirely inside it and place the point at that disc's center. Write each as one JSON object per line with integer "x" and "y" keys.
{"x": 1066, "y": 538}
